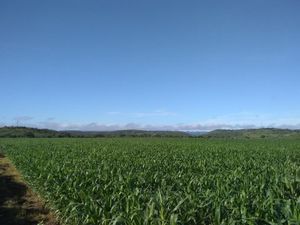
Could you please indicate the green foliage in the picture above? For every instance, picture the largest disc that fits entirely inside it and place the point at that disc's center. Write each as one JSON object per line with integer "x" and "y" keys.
{"x": 159, "y": 181}
{"x": 14, "y": 132}
{"x": 268, "y": 133}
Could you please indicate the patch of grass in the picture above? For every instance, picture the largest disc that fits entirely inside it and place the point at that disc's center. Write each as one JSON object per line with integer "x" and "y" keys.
{"x": 18, "y": 204}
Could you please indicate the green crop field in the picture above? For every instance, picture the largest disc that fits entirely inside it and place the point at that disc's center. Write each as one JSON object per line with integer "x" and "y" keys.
{"x": 138, "y": 181}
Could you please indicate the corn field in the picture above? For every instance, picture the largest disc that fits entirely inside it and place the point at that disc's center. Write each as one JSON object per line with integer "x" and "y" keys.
{"x": 163, "y": 181}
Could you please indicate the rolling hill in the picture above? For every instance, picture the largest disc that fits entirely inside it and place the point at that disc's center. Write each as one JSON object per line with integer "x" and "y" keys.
{"x": 263, "y": 133}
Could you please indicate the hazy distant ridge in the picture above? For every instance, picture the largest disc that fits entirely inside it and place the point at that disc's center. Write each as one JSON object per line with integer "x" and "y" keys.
{"x": 253, "y": 133}
{"x": 46, "y": 133}
{"x": 262, "y": 133}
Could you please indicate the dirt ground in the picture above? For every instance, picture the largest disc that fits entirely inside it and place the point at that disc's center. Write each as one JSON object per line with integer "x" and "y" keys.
{"x": 18, "y": 204}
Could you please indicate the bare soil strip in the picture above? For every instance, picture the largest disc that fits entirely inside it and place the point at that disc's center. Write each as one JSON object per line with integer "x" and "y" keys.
{"x": 18, "y": 204}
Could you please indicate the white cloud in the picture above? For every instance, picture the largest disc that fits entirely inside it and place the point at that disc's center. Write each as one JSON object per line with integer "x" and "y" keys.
{"x": 178, "y": 127}
{"x": 114, "y": 113}
{"x": 258, "y": 120}
{"x": 23, "y": 118}
{"x": 155, "y": 113}
{"x": 244, "y": 120}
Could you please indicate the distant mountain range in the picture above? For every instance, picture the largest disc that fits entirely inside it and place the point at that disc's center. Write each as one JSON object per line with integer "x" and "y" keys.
{"x": 46, "y": 133}
{"x": 253, "y": 134}
{"x": 263, "y": 133}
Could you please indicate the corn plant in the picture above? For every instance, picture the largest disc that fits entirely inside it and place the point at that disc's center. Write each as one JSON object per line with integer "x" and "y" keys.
{"x": 163, "y": 181}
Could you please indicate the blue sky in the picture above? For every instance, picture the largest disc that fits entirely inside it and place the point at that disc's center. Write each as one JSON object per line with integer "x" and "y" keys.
{"x": 187, "y": 65}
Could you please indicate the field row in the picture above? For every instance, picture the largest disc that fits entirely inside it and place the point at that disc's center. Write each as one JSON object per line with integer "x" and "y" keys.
{"x": 163, "y": 181}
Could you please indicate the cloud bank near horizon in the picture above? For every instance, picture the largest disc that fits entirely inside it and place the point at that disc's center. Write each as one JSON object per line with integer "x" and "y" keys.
{"x": 242, "y": 120}
{"x": 93, "y": 126}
